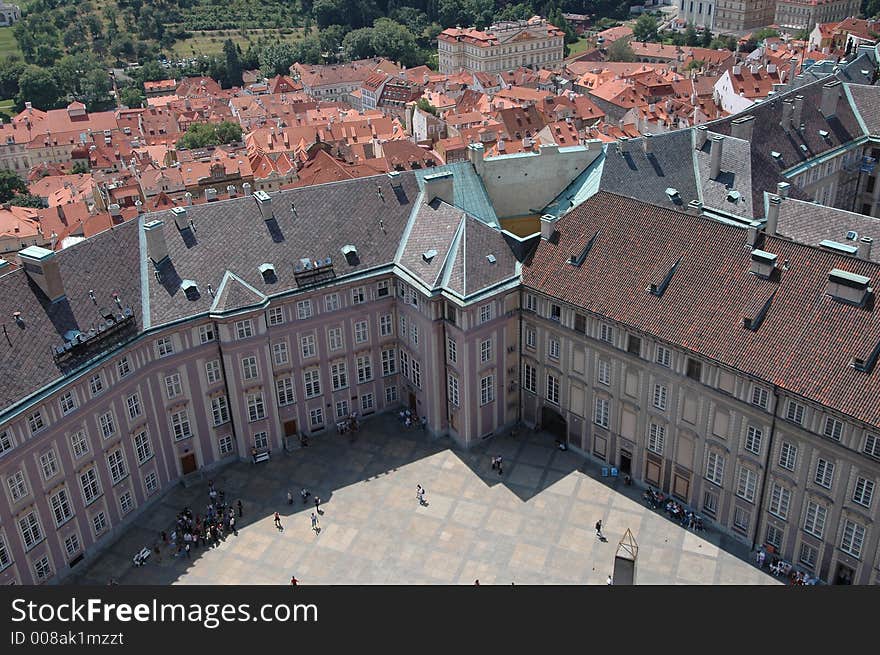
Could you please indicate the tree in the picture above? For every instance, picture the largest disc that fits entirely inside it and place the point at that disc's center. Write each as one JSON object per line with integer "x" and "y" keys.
{"x": 358, "y": 44}
{"x": 394, "y": 41}
{"x": 79, "y": 168}
{"x": 307, "y": 51}
{"x": 691, "y": 37}
{"x": 11, "y": 185}
{"x": 233, "y": 64}
{"x": 198, "y": 135}
{"x": 521, "y": 11}
{"x": 11, "y": 69}
{"x": 706, "y": 38}
{"x": 131, "y": 97}
{"x": 39, "y": 87}
{"x": 621, "y": 50}
{"x": 27, "y": 200}
{"x": 228, "y": 132}
{"x": 645, "y": 28}
{"x": 330, "y": 39}
{"x": 330, "y": 12}
{"x": 276, "y": 59}
{"x": 424, "y": 105}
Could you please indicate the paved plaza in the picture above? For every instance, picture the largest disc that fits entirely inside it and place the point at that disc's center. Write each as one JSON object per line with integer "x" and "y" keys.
{"x": 531, "y": 525}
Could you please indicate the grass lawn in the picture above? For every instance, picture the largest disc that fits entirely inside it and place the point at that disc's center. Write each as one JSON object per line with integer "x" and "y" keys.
{"x": 6, "y": 109}
{"x": 578, "y": 46}
{"x": 211, "y": 42}
{"x": 8, "y": 44}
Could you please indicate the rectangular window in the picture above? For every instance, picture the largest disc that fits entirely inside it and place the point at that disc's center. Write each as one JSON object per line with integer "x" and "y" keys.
{"x": 715, "y": 468}
{"x": 774, "y": 537}
{"x": 710, "y": 504}
{"x": 341, "y": 408}
{"x": 452, "y": 388}
{"x": 780, "y": 500}
{"x": 334, "y": 339}
{"x": 606, "y": 333}
{"x": 31, "y": 532}
{"x": 280, "y": 354}
{"x": 17, "y": 486}
{"x": 331, "y": 302}
{"x": 71, "y": 545}
{"x": 284, "y": 391}
{"x": 172, "y": 385}
{"x": 601, "y": 412}
{"x": 126, "y": 503}
{"x": 863, "y": 492}
{"x": 487, "y": 389}
{"x": 660, "y": 395}
{"x": 226, "y": 445}
{"x": 339, "y": 375}
{"x": 133, "y": 403}
{"x": 531, "y": 339}
{"x": 794, "y": 412}
{"x": 580, "y": 323}
{"x": 244, "y": 329}
{"x": 361, "y": 332}
{"x": 316, "y": 417}
{"x": 256, "y": 409}
{"x": 530, "y": 378}
{"x": 249, "y": 369}
{"x": 79, "y": 444}
{"x": 60, "y": 504}
{"x": 312, "y": 383}
{"x": 788, "y": 456}
{"x": 386, "y": 325}
{"x": 67, "y": 402}
{"x": 276, "y": 315}
{"x": 90, "y": 485}
{"x": 261, "y": 440}
{"x": 5, "y": 559}
{"x": 814, "y": 521}
{"x": 808, "y": 556}
{"x": 872, "y": 446}
{"x": 485, "y": 313}
{"x": 390, "y": 395}
{"x": 5, "y": 442}
{"x": 414, "y": 333}
{"x": 220, "y": 410}
{"x": 741, "y": 519}
{"x": 663, "y": 356}
{"x": 35, "y": 422}
{"x": 824, "y": 473}
{"x": 117, "y": 466}
{"x": 404, "y": 363}
{"x": 307, "y": 346}
{"x": 833, "y": 428}
{"x": 486, "y": 350}
{"x": 151, "y": 482}
{"x": 180, "y": 427}
{"x": 49, "y": 464}
{"x": 553, "y": 350}
{"x": 123, "y": 367}
{"x": 382, "y": 288}
{"x": 694, "y": 369}
{"x": 367, "y": 403}
{"x": 747, "y": 483}
{"x": 633, "y": 345}
{"x": 531, "y": 302}
{"x": 212, "y": 371}
{"x": 42, "y": 569}
{"x": 164, "y": 347}
{"x": 552, "y": 389}
{"x": 142, "y": 446}
{"x": 206, "y": 333}
{"x": 656, "y": 438}
{"x": 99, "y": 522}
{"x": 303, "y": 309}
{"x": 853, "y": 538}
{"x": 754, "y": 437}
{"x": 358, "y": 296}
{"x": 365, "y": 369}
{"x": 402, "y": 321}
{"x": 603, "y": 372}
{"x": 555, "y": 312}
{"x": 389, "y": 361}
{"x": 760, "y": 397}
{"x": 417, "y": 373}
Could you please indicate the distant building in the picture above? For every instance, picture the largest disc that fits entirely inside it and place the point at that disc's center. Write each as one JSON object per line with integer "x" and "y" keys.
{"x": 532, "y": 43}
{"x": 742, "y": 15}
{"x": 9, "y": 14}
{"x": 804, "y": 14}
{"x": 699, "y": 13}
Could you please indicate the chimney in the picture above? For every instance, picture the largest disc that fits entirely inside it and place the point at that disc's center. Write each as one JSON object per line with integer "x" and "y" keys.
{"x": 741, "y": 128}
{"x": 646, "y": 143}
{"x": 772, "y": 215}
{"x": 771, "y": 69}
{"x": 246, "y": 189}
{"x": 230, "y": 190}
{"x": 440, "y": 185}
{"x": 623, "y": 145}
{"x": 830, "y": 95}
{"x": 737, "y": 69}
{"x": 752, "y": 236}
{"x": 702, "y": 134}
{"x": 157, "y": 250}
{"x": 848, "y": 287}
{"x": 41, "y": 266}
{"x": 54, "y": 239}
{"x": 792, "y": 67}
{"x": 210, "y": 194}
{"x": 782, "y": 189}
{"x": 787, "y": 110}
{"x": 548, "y": 226}
{"x": 715, "y": 148}
{"x": 798, "y": 112}
{"x": 865, "y": 247}
{"x": 179, "y": 214}
{"x": 115, "y": 212}
{"x": 475, "y": 155}
{"x": 763, "y": 263}
{"x": 139, "y": 206}
{"x": 695, "y": 207}
{"x": 264, "y": 202}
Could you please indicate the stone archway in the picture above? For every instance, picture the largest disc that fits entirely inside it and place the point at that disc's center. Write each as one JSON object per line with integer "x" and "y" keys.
{"x": 554, "y": 423}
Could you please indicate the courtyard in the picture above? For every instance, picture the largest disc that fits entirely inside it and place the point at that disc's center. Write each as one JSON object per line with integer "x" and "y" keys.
{"x": 531, "y": 525}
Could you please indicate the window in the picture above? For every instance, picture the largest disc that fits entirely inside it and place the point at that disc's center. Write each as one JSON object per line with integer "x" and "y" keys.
{"x": 694, "y": 369}
{"x": 710, "y": 503}
{"x": 788, "y": 456}
{"x": 663, "y": 356}
{"x": 382, "y": 288}
{"x": 249, "y": 370}
{"x": 833, "y": 428}
{"x": 530, "y": 338}
{"x": 31, "y": 532}
{"x": 808, "y": 556}
{"x": 760, "y": 397}
{"x": 795, "y": 412}
{"x": 312, "y": 383}
{"x": 244, "y": 329}
{"x": 151, "y": 482}
{"x": 49, "y": 464}
{"x": 17, "y": 486}
{"x": 91, "y": 488}
{"x": 172, "y": 385}
{"x": 79, "y": 444}
{"x": 284, "y": 391}
{"x": 307, "y": 346}
{"x": 303, "y": 309}
{"x": 633, "y": 345}
{"x": 414, "y": 333}
{"x": 96, "y": 384}
{"x": 754, "y": 436}
{"x": 60, "y": 504}
{"x": 660, "y": 395}
{"x": 553, "y": 389}
{"x": 362, "y": 332}
{"x": 531, "y": 303}
{"x": 402, "y": 321}
{"x": 256, "y": 409}
{"x": 339, "y": 375}
{"x": 35, "y": 422}
{"x": 226, "y": 445}
{"x": 365, "y": 369}
{"x": 334, "y": 339}
{"x": 5, "y": 442}
{"x": 404, "y": 363}
{"x": 126, "y": 503}
{"x": 487, "y": 389}
{"x": 747, "y": 483}
{"x": 741, "y": 519}
{"x": 872, "y": 446}
{"x": 824, "y": 473}
{"x": 99, "y": 521}
{"x": 603, "y": 372}
{"x": 367, "y": 402}
{"x": 863, "y": 491}
{"x": 71, "y": 545}
{"x": 656, "y": 438}
{"x": 116, "y": 463}
{"x": 316, "y": 417}
{"x": 389, "y": 361}
{"x": 276, "y": 315}
{"x": 357, "y": 296}
{"x": 580, "y": 323}
{"x": 601, "y": 411}
{"x": 123, "y": 367}
{"x": 774, "y": 537}
{"x": 814, "y": 521}
{"x": 261, "y": 440}
{"x": 780, "y": 500}
{"x": 390, "y": 395}
{"x": 220, "y": 410}
{"x": 164, "y": 347}
{"x": 206, "y": 333}
{"x": 853, "y": 538}
{"x": 530, "y": 378}
{"x": 715, "y": 468}
{"x": 386, "y": 325}
{"x": 485, "y": 313}
{"x": 42, "y": 569}
{"x": 486, "y": 350}
{"x": 452, "y": 389}
{"x": 134, "y": 405}
{"x": 606, "y": 333}
{"x": 5, "y": 559}
{"x": 417, "y": 373}
{"x": 212, "y": 370}
{"x": 555, "y": 312}
{"x": 553, "y": 350}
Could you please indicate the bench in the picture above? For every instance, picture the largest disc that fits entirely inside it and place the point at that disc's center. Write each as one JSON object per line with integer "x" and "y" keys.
{"x": 141, "y": 557}
{"x": 261, "y": 457}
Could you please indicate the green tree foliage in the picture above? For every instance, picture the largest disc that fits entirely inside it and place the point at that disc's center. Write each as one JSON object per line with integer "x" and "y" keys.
{"x": 424, "y": 105}
{"x": 199, "y": 135}
{"x": 871, "y": 8}
{"x": 621, "y": 50}
{"x": 228, "y": 132}
{"x": 131, "y": 97}
{"x": 645, "y": 28}
{"x": 11, "y": 185}
{"x": 276, "y": 59}
{"x": 11, "y": 69}
{"x": 40, "y": 87}
{"x": 691, "y": 38}
{"x": 358, "y": 44}
{"x": 27, "y": 200}
{"x": 233, "y": 64}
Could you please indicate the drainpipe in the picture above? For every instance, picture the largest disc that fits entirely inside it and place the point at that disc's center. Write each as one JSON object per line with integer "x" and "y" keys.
{"x": 445, "y": 381}
{"x": 760, "y": 504}
{"x": 519, "y": 359}
{"x": 226, "y": 383}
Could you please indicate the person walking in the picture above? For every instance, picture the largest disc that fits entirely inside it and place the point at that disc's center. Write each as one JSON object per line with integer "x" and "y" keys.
{"x": 293, "y": 580}
{"x": 599, "y": 528}
{"x": 277, "y": 520}
{"x": 239, "y": 508}
{"x": 608, "y": 581}
{"x": 289, "y": 497}
{"x": 232, "y": 525}
{"x": 494, "y": 462}
{"x": 318, "y": 505}
{"x": 305, "y": 493}
{"x": 315, "y": 525}
{"x": 499, "y": 464}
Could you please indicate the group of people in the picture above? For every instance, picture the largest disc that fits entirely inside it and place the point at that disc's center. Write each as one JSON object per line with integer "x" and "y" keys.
{"x": 683, "y": 515}
{"x": 654, "y": 499}
{"x": 496, "y": 464}
{"x": 411, "y": 421}
{"x": 420, "y": 495}
{"x": 348, "y": 424}
{"x": 192, "y": 531}
{"x": 782, "y": 568}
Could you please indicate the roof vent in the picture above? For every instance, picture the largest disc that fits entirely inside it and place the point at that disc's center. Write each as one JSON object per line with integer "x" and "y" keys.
{"x": 428, "y": 255}
{"x": 852, "y": 235}
{"x": 776, "y": 155}
{"x": 843, "y": 248}
{"x": 351, "y": 254}
{"x": 848, "y": 287}
{"x": 190, "y": 289}
{"x": 267, "y": 270}
{"x": 824, "y": 134}
{"x": 866, "y": 364}
{"x": 672, "y": 192}
{"x": 734, "y": 196}
{"x": 763, "y": 263}
{"x": 803, "y": 147}
{"x": 491, "y": 259}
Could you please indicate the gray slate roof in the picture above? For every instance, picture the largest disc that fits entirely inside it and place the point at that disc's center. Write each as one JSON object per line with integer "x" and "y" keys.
{"x": 434, "y": 227}
{"x": 867, "y": 102}
{"x": 810, "y": 223}
{"x": 736, "y": 175}
{"x": 470, "y": 270}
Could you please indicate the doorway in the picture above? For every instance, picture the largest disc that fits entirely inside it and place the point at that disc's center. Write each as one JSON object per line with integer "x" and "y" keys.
{"x": 626, "y": 462}
{"x": 188, "y": 463}
{"x": 412, "y": 404}
{"x": 552, "y": 422}
{"x": 844, "y": 575}
{"x": 289, "y": 428}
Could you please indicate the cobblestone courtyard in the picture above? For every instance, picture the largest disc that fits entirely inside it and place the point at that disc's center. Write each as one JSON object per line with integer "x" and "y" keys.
{"x": 532, "y": 525}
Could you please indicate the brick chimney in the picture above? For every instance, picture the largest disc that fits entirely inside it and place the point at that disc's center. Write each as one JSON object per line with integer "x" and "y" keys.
{"x": 716, "y": 147}
{"x": 41, "y": 266}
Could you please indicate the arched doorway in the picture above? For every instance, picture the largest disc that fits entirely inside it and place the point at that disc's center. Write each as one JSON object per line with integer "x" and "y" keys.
{"x": 552, "y": 422}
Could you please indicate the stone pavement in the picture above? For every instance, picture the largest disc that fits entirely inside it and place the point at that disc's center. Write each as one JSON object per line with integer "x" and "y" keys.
{"x": 531, "y": 525}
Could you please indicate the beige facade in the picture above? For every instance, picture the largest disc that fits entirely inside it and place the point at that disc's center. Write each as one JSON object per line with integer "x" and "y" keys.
{"x": 742, "y": 15}
{"x": 804, "y": 14}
